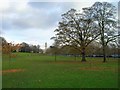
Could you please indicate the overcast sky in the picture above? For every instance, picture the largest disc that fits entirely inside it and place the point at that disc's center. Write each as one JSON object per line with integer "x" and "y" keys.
{"x": 35, "y": 22}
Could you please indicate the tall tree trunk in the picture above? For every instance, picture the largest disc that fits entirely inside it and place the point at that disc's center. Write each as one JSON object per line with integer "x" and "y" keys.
{"x": 83, "y": 55}
{"x": 103, "y": 41}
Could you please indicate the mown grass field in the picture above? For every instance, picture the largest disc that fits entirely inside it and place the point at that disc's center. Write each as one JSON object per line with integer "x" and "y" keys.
{"x": 28, "y": 70}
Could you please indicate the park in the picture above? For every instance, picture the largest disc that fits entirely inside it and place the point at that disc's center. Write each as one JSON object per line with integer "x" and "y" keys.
{"x": 63, "y": 47}
{"x": 41, "y": 71}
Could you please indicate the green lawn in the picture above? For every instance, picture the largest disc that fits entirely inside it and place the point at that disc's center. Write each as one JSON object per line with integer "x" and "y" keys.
{"x": 40, "y": 71}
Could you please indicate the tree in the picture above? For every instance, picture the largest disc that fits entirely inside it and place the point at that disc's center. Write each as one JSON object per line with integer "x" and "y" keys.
{"x": 70, "y": 51}
{"x": 104, "y": 14}
{"x": 7, "y": 48}
{"x": 77, "y": 30}
{"x": 94, "y": 49}
{"x": 25, "y": 47}
{"x": 17, "y": 47}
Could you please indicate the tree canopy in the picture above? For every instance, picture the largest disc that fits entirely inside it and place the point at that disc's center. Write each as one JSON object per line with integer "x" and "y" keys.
{"x": 97, "y": 22}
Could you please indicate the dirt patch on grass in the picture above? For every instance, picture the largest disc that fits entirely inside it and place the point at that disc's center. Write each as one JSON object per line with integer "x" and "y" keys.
{"x": 12, "y": 71}
{"x": 99, "y": 69}
{"x": 63, "y": 62}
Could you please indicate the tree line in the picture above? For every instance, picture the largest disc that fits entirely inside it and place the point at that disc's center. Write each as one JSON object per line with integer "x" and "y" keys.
{"x": 93, "y": 50}
{"x": 23, "y": 47}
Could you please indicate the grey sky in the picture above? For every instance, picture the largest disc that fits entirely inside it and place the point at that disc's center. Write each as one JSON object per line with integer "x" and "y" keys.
{"x": 33, "y": 22}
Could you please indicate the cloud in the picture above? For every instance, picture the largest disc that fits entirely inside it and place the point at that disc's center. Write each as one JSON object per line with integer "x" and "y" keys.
{"x": 33, "y": 15}
{"x": 25, "y": 18}
{"x": 33, "y": 22}
{"x": 39, "y": 15}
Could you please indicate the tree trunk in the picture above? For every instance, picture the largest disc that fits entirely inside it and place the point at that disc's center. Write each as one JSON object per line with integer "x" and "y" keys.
{"x": 55, "y": 56}
{"x": 104, "y": 54}
{"x": 75, "y": 57}
{"x": 83, "y": 55}
{"x": 103, "y": 41}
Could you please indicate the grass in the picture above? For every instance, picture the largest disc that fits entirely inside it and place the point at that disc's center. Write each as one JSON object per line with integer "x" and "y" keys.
{"x": 41, "y": 71}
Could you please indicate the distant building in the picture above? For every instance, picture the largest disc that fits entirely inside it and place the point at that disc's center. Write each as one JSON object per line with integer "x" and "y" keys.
{"x": 45, "y": 48}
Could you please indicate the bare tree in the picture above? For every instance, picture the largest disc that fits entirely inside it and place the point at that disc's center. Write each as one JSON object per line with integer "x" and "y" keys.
{"x": 104, "y": 14}
{"x": 77, "y": 30}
